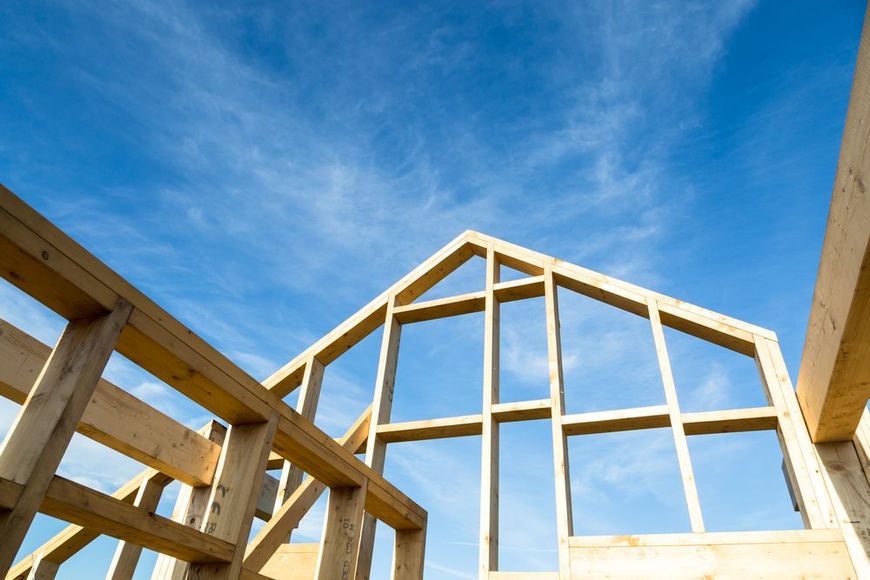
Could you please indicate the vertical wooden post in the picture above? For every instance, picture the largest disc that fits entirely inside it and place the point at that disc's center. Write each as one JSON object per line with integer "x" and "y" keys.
{"x": 233, "y": 496}
{"x": 808, "y": 484}
{"x": 489, "y": 439}
{"x": 339, "y": 546}
{"x": 190, "y": 509}
{"x": 382, "y": 406}
{"x": 309, "y": 395}
{"x": 682, "y": 446}
{"x": 564, "y": 511}
{"x": 45, "y": 424}
{"x": 127, "y": 554}
{"x": 408, "y": 554}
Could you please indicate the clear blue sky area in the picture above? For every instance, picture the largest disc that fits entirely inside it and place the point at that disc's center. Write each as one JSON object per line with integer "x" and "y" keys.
{"x": 264, "y": 169}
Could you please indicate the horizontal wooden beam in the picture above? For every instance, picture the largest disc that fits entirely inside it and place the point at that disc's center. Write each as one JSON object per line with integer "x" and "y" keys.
{"x": 113, "y": 417}
{"x": 522, "y": 411}
{"x": 113, "y": 516}
{"x": 620, "y": 420}
{"x": 532, "y": 287}
{"x": 47, "y": 264}
{"x": 730, "y": 421}
{"x": 431, "y": 429}
{"x": 441, "y": 308}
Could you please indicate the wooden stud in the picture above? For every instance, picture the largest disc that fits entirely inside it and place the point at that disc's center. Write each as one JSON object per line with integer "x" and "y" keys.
{"x": 291, "y": 475}
{"x": 618, "y": 420}
{"x": 562, "y": 476}
{"x": 127, "y": 554}
{"x": 43, "y": 428}
{"x": 339, "y": 546}
{"x": 382, "y": 407}
{"x": 233, "y": 495}
{"x": 680, "y": 443}
{"x": 807, "y": 483}
{"x": 489, "y": 462}
{"x": 431, "y": 429}
{"x": 408, "y": 554}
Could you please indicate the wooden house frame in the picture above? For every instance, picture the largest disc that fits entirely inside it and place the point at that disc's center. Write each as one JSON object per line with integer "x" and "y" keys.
{"x": 823, "y": 428}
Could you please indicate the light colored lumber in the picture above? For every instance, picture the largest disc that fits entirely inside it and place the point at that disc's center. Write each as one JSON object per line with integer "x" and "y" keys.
{"x": 532, "y": 287}
{"x": 38, "y": 438}
{"x": 73, "y": 538}
{"x": 850, "y": 493}
{"x": 190, "y": 509}
{"x": 160, "y": 344}
{"x": 687, "y": 474}
{"x": 127, "y": 554}
{"x": 618, "y": 420}
{"x": 409, "y": 554}
{"x": 382, "y": 406}
{"x": 372, "y": 315}
{"x": 233, "y": 496}
{"x": 309, "y": 395}
{"x": 43, "y": 569}
{"x": 737, "y": 556}
{"x": 288, "y": 516}
{"x": 113, "y": 417}
{"x": 441, "y": 308}
{"x": 104, "y": 514}
{"x": 431, "y": 429}
{"x": 730, "y": 421}
{"x": 834, "y": 378}
{"x": 801, "y": 460}
{"x": 293, "y": 562}
{"x": 522, "y": 411}
{"x": 340, "y": 543}
{"x": 862, "y": 442}
{"x": 561, "y": 471}
{"x": 523, "y": 576}
{"x": 489, "y": 444}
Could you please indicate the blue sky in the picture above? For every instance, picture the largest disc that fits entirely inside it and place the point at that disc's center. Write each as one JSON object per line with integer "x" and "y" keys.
{"x": 262, "y": 170}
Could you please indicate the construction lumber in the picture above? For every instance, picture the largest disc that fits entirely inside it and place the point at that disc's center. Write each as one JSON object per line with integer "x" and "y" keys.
{"x": 489, "y": 444}
{"x": 287, "y": 517}
{"x": 521, "y": 289}
{"x": 441, "y": 308}
{"x": 48, "y": 265}
{"x": 730, "y": 421}
{"x": 728, "y": 555}
{"x": 233, "y": 496}
{"x": 382, "y": 407}
{"x": 292, "y": 562}
{"x": 617, "y": 420}
{"x": 113, "y": 417}
{"x": 834, "y": 379}
{"x": 37, "y": 440}
{"x": 522, "y": 411}
{"x": 340, "y": 544}
{"x": 561, "y": 476}
{"x": 687, "y": 474}
{"x": 127, "y": 554}
{"x": 431, "y": 429}
{"x": 409, "y": 554}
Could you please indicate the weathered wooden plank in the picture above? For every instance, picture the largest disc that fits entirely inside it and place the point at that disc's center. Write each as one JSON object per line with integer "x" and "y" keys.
{"x": 38, "y": 438}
